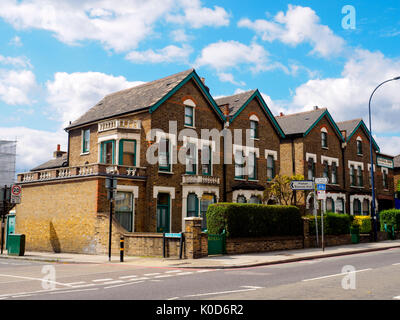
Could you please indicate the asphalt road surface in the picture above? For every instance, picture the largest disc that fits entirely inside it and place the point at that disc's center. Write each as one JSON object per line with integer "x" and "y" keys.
{"x": 374, "y": 275}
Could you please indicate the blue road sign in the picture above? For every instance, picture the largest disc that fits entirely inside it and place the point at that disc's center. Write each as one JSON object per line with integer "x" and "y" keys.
{"x": 321, "y": 187}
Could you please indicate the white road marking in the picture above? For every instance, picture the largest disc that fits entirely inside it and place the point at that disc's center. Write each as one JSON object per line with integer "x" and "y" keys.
{"x": 173, "y": 298}
{"x": 335, "y": 275}
{"x": 220, "y": 292}
{"x": 202, "y": 271}
{"x": 37, "y": 279}
{"x": 396, "y": 264}
{"x": 173, "y": 271}
{"x": 102, "y": 280}
{"x": 121, "y": 285}
{"x": 184, "y": 273}
{"x": 143, "y": 278}
{"x": 127, "y": 277}
{"x": 75, "y": 283}
{"x": 151, "y": 274}
{"x": 251, "y": 287}
{"x": 164, "y": 276}
{"x": 84, "y": 285}
{"x": 22, "y": 295}
{"x": 398, "y": 297}
{"x": 113, "y": 282}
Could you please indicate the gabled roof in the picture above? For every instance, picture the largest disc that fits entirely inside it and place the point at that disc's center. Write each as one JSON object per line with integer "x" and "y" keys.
{"x": 53, "y": 163}
{"x": 235, "y": 101}
{"x": 351, "y": 126}
{"x": 238, "y": 102}
{"x": 302, "y": 123}
{"x": 146, "y": 96}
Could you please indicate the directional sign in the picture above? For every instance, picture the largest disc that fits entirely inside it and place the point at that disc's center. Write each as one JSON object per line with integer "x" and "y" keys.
{"x": 302, "y": 185}
{"x": 321, "y": 187}
{"x": 173, "y": 235}
{"x": 321, "y": 180}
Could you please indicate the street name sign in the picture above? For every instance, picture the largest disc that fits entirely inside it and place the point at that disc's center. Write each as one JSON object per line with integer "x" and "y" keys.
{"x": 321, "y": 195}
{"x": 321, "y": 180}
{"x": 302, "y": 185}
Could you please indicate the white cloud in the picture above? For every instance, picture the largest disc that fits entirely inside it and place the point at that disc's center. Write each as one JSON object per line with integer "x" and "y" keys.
{"x": 230, "y": 54}
{"x": 228, "y": 77}
{"x": 17, "y": 86}
{"x": 118, "y": 25}
{"x": 298, "y": 25}
{"x": 16, "y": 41}
{"x": 15, "y": 61}
{"x": 33, "y": 146}
{"x": 347, "y": 97}
{"x": 180, "y": 35}
{"x": 389, "y": 145}
{"x": 197, "y": 16}
{"x": 168, "y": 54}
{"x": 71, "y": 94}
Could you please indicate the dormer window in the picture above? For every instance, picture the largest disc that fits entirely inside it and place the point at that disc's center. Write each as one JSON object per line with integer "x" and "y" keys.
{"x": 189, "y": 112}
{"x": 324, "y": 138}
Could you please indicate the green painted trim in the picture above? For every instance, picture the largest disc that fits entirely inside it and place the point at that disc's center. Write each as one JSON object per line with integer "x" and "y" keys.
{"x": 361, "y": 123}
{"x": 193, "y": 75}
{"x": 83, "y": 140}
{"x": 102, "y": 150}
{"x": 326, "y": 113}
{"x": 266, "y": 109}
{"x": 121, "y": 151}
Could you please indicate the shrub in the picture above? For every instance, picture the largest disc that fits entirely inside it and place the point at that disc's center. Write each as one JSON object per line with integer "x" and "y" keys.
{"x": 364, "y": 222}
{"x": 390, "y": 217}
{"x": 334, "y": 223}
{"x": 254, "y": 220}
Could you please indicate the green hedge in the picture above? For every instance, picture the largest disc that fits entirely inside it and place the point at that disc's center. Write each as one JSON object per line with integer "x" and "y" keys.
{"x": 254, "y": 220}
{"x": 364, "y": 222}
{"x": 334, "y": 223}
{"x": 390, "y": 217}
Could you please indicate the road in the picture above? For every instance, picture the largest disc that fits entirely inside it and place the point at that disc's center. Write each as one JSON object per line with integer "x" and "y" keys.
{"x": 374, "y": 275}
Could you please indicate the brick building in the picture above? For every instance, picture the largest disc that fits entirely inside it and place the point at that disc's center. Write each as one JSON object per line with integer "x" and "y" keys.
{"x": 396, "y": 172}
{"x": 174, "y": 150}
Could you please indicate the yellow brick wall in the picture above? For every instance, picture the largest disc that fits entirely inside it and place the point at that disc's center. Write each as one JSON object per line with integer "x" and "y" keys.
{"x": 286, "y": 164}
{"x": 59, "y": 217}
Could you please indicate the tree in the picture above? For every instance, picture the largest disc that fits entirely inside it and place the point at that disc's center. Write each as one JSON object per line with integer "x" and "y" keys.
{"x": 280, "y": 190}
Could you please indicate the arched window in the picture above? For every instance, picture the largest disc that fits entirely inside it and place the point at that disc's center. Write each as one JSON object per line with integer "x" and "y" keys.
{"x": 339, "y": 205}
{"x": 365, "y": 207}
{"x": 192, "y": 205}
{"x": 356, "y": 207}
{"x": 311, "y": 168}
{"x": 270, "y": 167}
{"x": 254, "y": 126}
{"x": 330, "y": 205}
{"x": 324, "y": 138}
{"x": 359, "y": 146}
{"x": 189, "y": 112}
{"x": 241, "y": 199}
{"x": 255, "y": 199}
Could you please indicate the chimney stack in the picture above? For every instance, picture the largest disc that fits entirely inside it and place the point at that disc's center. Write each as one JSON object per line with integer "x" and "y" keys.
{"x": 281, "y": 114}
{"x": 316, "y": 108}
{"x": 58, "y": 153}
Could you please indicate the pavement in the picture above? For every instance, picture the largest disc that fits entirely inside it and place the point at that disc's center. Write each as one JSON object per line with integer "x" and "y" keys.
{"x": 213, "y": 262}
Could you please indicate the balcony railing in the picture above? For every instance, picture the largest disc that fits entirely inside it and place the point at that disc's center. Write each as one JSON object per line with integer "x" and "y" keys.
{"x": 197, "y": 179}
{"x": 81, "y": 171}
{"x": 119, "y": 124}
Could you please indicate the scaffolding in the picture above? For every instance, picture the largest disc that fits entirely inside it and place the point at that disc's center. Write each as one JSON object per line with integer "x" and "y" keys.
{"x": 8, "y": 152}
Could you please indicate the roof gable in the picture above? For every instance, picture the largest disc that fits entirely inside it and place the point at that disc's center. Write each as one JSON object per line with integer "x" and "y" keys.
{"x": 239, "y": 103}
{"x": 148, "y": 96}
{"x": 351, "y": 128}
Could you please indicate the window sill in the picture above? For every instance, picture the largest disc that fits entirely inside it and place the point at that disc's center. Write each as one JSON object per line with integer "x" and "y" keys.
{"x": 188, "y": 126}
{"x": 240, "y": 179}
{"x": 325, "y": 148}
{"x": 360, "y": 154}
{"x": 254, "y": 180}
{"x": 166, "y": 172}
{"x": 255, "y": 139}
{"x": 85, "y": 153}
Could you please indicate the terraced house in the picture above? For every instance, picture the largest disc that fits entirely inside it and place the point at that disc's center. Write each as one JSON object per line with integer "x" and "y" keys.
{"x": 175, "y": 150}
{"x": 357, "y": 165}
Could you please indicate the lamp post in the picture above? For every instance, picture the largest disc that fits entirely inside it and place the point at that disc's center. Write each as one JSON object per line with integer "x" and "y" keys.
{"x": 111, "y": 186}
{"x": 373, "y": 215}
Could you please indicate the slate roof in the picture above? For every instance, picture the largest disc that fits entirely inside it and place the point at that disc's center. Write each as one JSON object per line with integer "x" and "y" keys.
{"x": 132, "y": 99}
{"x": 53, "y": 163}
{"x": 349, "y": 126}
{"x": 235, "y": 101}
{"x": 299, "y": 123}
{"x": 396, "y": 160}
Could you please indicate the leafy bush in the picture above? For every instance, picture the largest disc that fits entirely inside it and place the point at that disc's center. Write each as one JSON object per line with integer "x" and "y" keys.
{"x": 364, "y": 222}
{"x": 390, "y": 217}
{"x": 254, "y": 220}
{"x": 334, "y": 223}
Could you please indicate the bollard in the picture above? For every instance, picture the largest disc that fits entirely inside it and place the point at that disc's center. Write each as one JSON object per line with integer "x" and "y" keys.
{"x": 121, "y": 249}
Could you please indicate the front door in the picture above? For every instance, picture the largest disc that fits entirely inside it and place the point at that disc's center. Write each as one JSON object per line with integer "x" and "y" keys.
{"x": 10, "y": 227}
{"x": 163, "y": 212}
{"x": 205, "y": 201}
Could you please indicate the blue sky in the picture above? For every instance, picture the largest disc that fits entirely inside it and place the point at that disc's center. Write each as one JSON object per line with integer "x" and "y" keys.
{"x": 58, "y": 58}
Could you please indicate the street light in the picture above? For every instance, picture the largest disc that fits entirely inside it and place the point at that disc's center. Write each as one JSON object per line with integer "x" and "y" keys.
{"x": 372, "y": 160}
